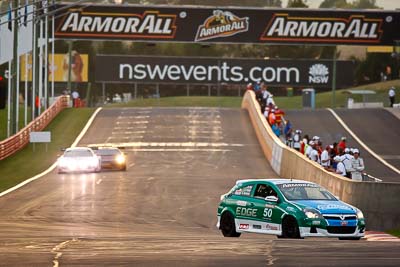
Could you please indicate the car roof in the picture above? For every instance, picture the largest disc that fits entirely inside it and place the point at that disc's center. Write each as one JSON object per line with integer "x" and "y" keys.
{"x": 78, "y": 148}
{"x": 276, "y": 181}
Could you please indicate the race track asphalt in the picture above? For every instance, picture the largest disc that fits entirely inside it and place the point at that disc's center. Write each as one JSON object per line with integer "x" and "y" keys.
{"x": 162, "y": 210}
{"x": 323, "y": 124}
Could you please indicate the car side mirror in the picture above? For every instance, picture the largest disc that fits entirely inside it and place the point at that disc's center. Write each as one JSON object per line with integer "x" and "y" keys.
{"x": 271, "y": 199}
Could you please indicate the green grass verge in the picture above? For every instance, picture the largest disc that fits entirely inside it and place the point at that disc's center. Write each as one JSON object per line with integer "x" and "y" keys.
{"x": 184, "y": 101}
{"x": 21, "y": 120}
{"x": 394, "y": 232}
{"x": 26, "y": 163}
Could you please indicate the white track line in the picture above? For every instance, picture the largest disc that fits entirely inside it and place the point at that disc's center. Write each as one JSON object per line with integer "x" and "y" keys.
{"x": 52, "y": 167}
{"x": 384, "y": 162}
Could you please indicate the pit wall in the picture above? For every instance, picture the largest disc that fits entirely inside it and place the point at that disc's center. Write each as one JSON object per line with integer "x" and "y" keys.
{"x": 380, "y": 202}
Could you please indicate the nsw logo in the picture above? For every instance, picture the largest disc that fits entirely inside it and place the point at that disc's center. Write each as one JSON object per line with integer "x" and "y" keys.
{"x": 319, "y": 73}
{"x": 221, "y": 24}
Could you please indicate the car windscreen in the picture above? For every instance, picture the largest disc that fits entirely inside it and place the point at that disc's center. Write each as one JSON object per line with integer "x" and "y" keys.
{"x": 78, "y": 153}
{"x": 107, "y": 152}
{"x": 305, "y": 191}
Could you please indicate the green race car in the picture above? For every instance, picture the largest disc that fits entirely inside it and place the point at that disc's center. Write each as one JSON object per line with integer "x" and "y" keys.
{"x": 289, "y": 209}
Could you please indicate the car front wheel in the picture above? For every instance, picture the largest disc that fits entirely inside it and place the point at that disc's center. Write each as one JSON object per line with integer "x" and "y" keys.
{"x": 227, "y": 227}
{"x": 290, "y": 228}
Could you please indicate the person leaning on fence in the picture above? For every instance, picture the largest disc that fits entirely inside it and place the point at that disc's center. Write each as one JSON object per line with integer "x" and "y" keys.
{"x": 288, "y": 133}
{"x": 325, "y": 157}
{"x": 346, "y": 158}
{"x": 297, "y": 140}
{"x": 340, "y": 168}
{"x": 357, "y": 166}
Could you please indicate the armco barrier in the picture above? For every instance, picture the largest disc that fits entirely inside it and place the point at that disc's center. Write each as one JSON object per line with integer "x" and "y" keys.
{"x": 380, "y": 202}
{"x": 16, "y": 142}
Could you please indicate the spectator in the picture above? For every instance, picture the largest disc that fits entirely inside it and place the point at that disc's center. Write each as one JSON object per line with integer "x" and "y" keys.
{"x": 266, "y": 113}
{"x": 392, "y": 95}
{"x": 297, "y": 140}
{"x": 346, "y": 159}
{"x": 279, "y": 116}
{"x": 288, "y": 131}
{"x": 271, "y": 117}
{"x": 342, "y": 143}
{"x": 75, "y": 96}
{"x": 325, "y": 157}
{"x": 276, "y": 129}
{"x": 334, "y": 153}
{"x": 314, "y": 156}
{"x": 340, "y": 169}
{"x": 357, "y": 165}
{"x": 309, "y": 148}
{"x": 304, "y": 144}
{"x": 249, "y": 86}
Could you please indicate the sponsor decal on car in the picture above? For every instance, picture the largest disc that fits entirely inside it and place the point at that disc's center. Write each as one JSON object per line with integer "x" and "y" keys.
{"x": 288, "y": 185}
{"x": 256, "y": 226}
{"x": 333, "y": 207}
{"x": 316, "y": 223}
{"x": 243, "y": 226}
{"x": 221, "y": 24}
{"x": 290, "y": 209}
{"x": 269, "y": 206}
{"x": 358, "y": 28}
{"x": 271, "y": 227}
{"x": 246, "y": 212}
{"x": 241, "y": 203}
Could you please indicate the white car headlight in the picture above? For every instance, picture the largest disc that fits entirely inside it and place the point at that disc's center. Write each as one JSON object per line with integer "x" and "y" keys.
{"x": 360, "y": 215}
{"x": 120, "y": 159}
{"x": 312, "y": 213}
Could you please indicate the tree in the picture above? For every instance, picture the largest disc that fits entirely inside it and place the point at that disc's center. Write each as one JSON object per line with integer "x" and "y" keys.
{"x": 365, "y": 4}
{"x": 297, "y": 3}
{"x": 335, "y": 4}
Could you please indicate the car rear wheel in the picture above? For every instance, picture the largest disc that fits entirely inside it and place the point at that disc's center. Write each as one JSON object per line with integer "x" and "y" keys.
{"x": 227, "y": 227}
{"x": 290, "y": 228}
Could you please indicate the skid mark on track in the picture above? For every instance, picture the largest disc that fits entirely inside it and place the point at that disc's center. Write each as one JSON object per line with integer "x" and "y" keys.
{"x": 57, "y": 250}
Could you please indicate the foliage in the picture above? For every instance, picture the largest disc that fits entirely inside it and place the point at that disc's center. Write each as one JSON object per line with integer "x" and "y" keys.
{"x": 297, "y": 3}
{"x": 359, "y": 4}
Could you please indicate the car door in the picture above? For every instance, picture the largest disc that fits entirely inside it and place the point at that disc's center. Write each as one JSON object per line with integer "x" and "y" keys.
{"x": 241, "y": 204}
{"x": 269, "y": 214}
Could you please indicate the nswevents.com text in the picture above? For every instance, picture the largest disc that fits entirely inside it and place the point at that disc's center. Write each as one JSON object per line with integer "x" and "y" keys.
{"x": 211, "y": 73}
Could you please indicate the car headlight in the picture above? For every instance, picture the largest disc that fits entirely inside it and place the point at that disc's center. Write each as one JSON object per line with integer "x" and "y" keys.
{"x": 312, "y": 213}
{"x": 360, "y": 215}
{"x": 120, "y": 159}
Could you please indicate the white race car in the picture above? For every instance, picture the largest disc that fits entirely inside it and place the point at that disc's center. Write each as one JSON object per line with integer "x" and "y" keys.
{"x": 78, "y": 159}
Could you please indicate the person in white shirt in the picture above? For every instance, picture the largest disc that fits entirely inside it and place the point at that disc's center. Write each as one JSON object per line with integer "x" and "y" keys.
{"x": 309, "y": 148}
{"x": 392, "y": 95}
{"x": 314, "y": 156}
{"x": 357, "y": 166}
{"x": 325, "y": 157}
{"x": 340, "y": 169}
{"x": 346, "y": 159}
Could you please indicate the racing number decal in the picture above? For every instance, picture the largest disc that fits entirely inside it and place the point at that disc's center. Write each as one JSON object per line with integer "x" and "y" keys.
{"x": 267, "y": 213}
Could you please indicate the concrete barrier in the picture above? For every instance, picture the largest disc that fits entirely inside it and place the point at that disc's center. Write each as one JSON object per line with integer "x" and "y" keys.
{"x": 379, "y": 201}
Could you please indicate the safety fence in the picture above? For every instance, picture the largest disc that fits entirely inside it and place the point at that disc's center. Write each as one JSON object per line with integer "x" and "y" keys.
{"x": 16, "y": 142}
{"x": 378, "y": 201}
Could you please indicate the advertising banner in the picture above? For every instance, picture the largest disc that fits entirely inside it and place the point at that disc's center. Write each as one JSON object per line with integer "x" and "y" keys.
{"x": 229, "y": 25}
{"x": 313, "y": 73}
{"x": 79, "y": 67}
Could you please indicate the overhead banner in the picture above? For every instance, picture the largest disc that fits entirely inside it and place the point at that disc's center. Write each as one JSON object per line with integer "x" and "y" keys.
{"x": 229, "y": 25}
{"x": 310, "y": 73}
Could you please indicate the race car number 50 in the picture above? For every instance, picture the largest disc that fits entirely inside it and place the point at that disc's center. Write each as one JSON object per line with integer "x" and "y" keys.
{"x": 267, "y": 213}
